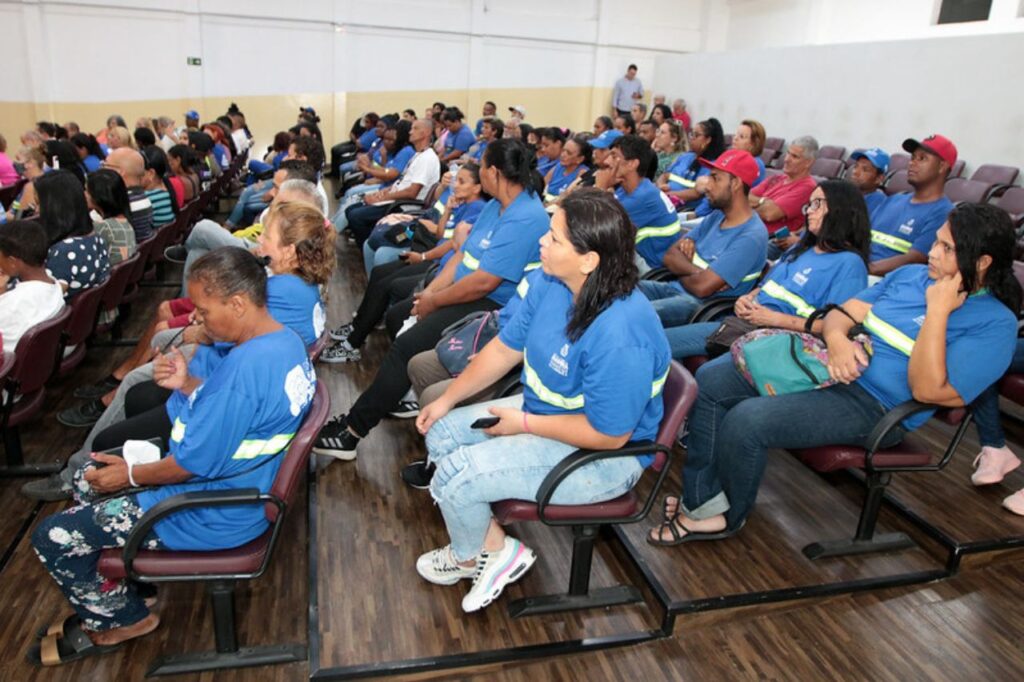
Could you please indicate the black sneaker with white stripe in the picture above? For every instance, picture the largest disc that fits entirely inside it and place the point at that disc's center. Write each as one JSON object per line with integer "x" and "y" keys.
{"x": 335, "y": 440}
{"x": 406, "y": 409}
{"x": 341, "y": 332}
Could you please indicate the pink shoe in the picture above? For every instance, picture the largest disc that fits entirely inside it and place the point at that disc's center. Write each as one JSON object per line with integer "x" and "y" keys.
{"x": 1015, "y": 502}
{"x": 992, "y": 464}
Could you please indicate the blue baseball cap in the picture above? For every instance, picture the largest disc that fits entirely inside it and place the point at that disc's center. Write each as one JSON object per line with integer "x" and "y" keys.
{"x": 605, "y": 139}
{"x": 192, "y": 113}
{"x": 876, "y": 155}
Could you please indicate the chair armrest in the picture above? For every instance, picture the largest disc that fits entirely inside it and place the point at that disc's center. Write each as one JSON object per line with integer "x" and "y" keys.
{"x": 409, "y": 206}
{"x": 190, "y": 500}
{"x": 661, "y": 274}
{"x": 709, "y": 312}
{"x": 892, "y": 419}
{"x": 580, "y": 458}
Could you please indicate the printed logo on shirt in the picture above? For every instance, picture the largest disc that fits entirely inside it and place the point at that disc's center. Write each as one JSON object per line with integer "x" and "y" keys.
{"x": 907, "y": 227}
{"x": 195, "y": 394}
{"x": 565, "y": 350}
{"x": 299, "y": 386}
{"x": 559, "y": 364}
{"x": 485, "y": 243}
{"x": 919, "y": 320}
{"x": 801, "y": 277}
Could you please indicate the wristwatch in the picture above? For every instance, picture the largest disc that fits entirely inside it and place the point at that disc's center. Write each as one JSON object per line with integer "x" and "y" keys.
{"x": 760, "y": 202}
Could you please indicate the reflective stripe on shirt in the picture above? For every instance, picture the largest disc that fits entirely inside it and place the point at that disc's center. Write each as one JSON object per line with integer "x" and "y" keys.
{"x": 571, "y": 402}
{"x": 890, "y": 242}
{"x": 469, "y": 261}
{"x": 704, "y": 265}
{"x": 650, "y": 231}
{"x": 680, "y": 180}
{"x": 888, "y": 333}
{"x": 250, "y": 449}
{"x": 178, "y": 431}
{"x": 781, "y": 293}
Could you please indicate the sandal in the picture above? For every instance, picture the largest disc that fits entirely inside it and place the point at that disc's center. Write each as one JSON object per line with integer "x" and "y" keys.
{"x": 674, "y": 524}
{"x": 60, "y": 627}
{"x": 73, "y": 645}
{"x": 665, "y": 513}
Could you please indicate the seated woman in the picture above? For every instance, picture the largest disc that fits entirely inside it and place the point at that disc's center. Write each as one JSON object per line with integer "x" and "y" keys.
{"x": 27, "y": 202}
{"x": 106, "y": 195}
{"x": 940, "y": 334}
{"x": 37, "y": 297}
{"x": 234, "y": 409}
{"x": 381, "y": 167}
{"x": 89, "y": 151}
{"x": 389, "y": 285}
{"x": 594, "y": 363}
{"x": 78, "y": 255}
{"x": 184, "y": 178}
{"x": 669, "y": 143}
{"x": 574, "y": 160}
{"x": 549, "y": 150}
{"x": 156, "y": 183}
{"x": 679, "y": 182}
{"x": 828, "y": 265}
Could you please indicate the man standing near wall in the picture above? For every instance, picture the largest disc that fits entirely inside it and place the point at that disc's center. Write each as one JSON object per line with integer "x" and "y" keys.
{"x": 627, "y": 90}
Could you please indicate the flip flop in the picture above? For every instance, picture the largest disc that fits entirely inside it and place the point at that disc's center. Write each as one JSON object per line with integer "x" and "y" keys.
{"x": 674, "y": 524}
{"x": 664, "y": 507}
{"x": 74, "y": 645}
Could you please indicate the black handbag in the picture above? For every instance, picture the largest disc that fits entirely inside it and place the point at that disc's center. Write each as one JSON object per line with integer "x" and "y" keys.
{"x": 720, "y": 341}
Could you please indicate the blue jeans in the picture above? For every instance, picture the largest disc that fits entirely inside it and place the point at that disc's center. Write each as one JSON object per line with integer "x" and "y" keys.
{"x": 380, "y": 255}
{"x": 689, "y": 340}
{"x": 204, "y": 238}
{"x": 986, "y": 406}
{"x": 249, "y": 204}
{"x": 732, "y": 427}
{"x": 474, "y": 470}
{"x": 674, "y": 305}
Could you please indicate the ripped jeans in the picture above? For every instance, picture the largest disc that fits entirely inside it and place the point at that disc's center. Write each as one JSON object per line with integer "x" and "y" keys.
{"x": 474, "y": 470}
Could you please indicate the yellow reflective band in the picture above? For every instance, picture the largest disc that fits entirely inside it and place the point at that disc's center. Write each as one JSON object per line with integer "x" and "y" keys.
{"x": 249, "y": 449}
{"x": 699, "y": 262}
{"x": 546, "y": 394}
{"x": 658, "y": 384}
{"x": 439, "y": 206}
{"x": 680, "y": 180}
{"x": 449, "y": 233}
{"x": 752, "y": 277}
{"x": 178, "y": 431}
{"x": 779, "y": 292}
{"x": 469, "y": 261}
{"x": 890, "y": 242}
{"x": 651, "y": 231}
{"x": 531, "y": 266}
{"x": 523, "y": 288}
{"x": 548, "y": 196}
{"x": 888, "y": 333}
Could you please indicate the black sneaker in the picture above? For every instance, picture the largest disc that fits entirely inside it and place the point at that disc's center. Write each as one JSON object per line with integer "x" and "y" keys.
{"x": 418, "y": 474}
{"x": 341, "y": 332}
{"x": 176, "y": 254}
{"x": 49, "y": 489}
{"x": 82, "y": 415}
{"x": 335, "y": 440}
{"x": 97, "y": 390}
{"x": 406, "y": 409}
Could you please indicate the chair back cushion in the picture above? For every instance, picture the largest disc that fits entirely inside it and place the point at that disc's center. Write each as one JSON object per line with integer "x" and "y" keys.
{"x": 679, "y": 395}
{"x": 35, "y": 356}
{"x": 84, "y": 308}
{"x": 297, "y": 456}
{"x": 117, "y": 282}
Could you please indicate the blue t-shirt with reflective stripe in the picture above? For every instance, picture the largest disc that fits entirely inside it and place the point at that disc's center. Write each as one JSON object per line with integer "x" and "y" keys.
{"x": 683, "y": 174}
{"x": 614, "y": 373}
{"x": 505, "y": 243}
{"x": 874, "y": 201}
{"x": 736, "y": 254}
{"x": 899, "y": 225}
{"x": 812, "y": 281}
{"x": 655, "y": 218}
{"x": 367, "y": 139}
{"x": 704, "y": 206}
{"x": 461, "y": 140}
{"x": 249, "y": 406}
{"x": 560, "y": 179}
{"x": 981, "y": 336}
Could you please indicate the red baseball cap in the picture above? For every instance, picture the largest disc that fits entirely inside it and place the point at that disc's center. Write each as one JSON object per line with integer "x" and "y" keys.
{"x": 939, "y": 145}
{"x": 736, "y": 162}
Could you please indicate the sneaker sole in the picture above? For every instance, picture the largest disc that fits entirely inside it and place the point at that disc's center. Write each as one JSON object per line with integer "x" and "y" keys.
{"x": 404, "y": 415}
{"x": 525, "y": 564}
{"x": 338, "y": 361}
{"x": 343, "y": 455}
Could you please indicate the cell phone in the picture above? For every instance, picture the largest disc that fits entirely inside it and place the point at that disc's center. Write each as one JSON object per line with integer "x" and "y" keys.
{"x": 485, "y": 422}
{"x": 781, "y": 234}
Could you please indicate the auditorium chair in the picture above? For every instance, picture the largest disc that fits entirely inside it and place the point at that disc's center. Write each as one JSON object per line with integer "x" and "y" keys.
{"x": 897, "y": 183}
{"x": 959, "y": 190}
{"x": 316, "y": 349}
{"x": 35, "y": 358}
{"x": 416, "y": 206}
{"x": 81, "y": 324}
{"x": 10, "y": 193}
{"x": 957, "y": 170}
{"x": 114, "y": 292}
{"x": 1011, "y": 201}
{"x": 830, "y": 151}
{"x": 1011, "y": 386}
{"x": 994, "y": 174}
{"x": 728, "y": 140}
{"x": 774, "y": 143}
{"x": 679, "y": 394}
{"x": 826, "y": 169}
{"x": 767, "y": 156}
{"x": 898, "y": 162}
{"x": 221, "y": 569}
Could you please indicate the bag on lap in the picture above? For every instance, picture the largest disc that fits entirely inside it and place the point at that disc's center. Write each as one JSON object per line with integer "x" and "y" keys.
{"x": 720, "y": 341}
{"x": 464, "y": 339}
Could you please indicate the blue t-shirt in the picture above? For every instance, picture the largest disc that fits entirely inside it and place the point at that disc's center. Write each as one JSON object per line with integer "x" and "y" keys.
{"x": 656, "y": 220}
{"x": 614, "y": 373}
{"x": 560, "y": 180}
{"x": 736, "y": 254}
{"x": 544, "y": 164}
{"x": 682, "y": 176}
{"x": 478, "y": 152}
{"x": 367, "y": 139}
{"x": 251, "y": 403}
{"x": 981, "y": 336}
{"x": 92, "y": 163}
{"x": 811, "y": 281}
{"x": 874, "y": 201}
{"x": 296, "y": 304}
{"x": 220, "y": 152}
{"x": 467, "y": 213}
{"x": 900, "y": 225}
{"x": 510, "y": 308}
{"x": 479, "y": 128}
{"x": 505, "y": 243}
{"x": 461, "y": 140}
{"x": 704, "y": 206}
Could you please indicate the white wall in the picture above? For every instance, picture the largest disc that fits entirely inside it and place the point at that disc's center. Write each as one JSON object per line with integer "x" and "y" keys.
{"x": 867, "y": 94}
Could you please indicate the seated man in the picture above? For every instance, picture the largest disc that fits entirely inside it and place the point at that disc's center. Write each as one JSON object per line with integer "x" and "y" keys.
{"x": 648, "y": 130}
{"x": 779, "y": 200}
{"x": 868, "y": 175}
{"x": 491, "y": 129}
{"x": 724, "y": 255}
{"x": 633, "y": 162}
{"x": 489, "y": 112}
{"x": 132, "y": 167}
{"x": 904, "y": 227}
{"x": 638, "y": 113}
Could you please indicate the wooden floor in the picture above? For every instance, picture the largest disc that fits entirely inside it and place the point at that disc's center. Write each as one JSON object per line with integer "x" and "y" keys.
{"x": 373, "y": 608}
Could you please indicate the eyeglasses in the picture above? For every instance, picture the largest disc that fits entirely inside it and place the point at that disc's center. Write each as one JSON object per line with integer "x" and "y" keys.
{"x": 694, "y": 133}
{"x": 813, "y": 205}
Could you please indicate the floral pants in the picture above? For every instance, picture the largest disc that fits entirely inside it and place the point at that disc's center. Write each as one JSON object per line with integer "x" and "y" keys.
{"x": 69, "y": 545}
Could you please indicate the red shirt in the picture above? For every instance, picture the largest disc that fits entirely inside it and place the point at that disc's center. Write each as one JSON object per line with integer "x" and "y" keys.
{"x": 788, "y": 196}
{"x": 684, "y": 119}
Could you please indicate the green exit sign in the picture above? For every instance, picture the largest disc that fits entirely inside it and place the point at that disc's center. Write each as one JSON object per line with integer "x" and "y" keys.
{"x": 195, "y": 61}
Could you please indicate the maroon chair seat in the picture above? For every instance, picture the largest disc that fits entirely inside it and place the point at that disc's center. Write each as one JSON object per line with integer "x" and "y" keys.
{"x": 995, "y": 174}
{"x": 678, "y": 395}
{"x": 897, "y": 183}
{"x": 911, "y": 452}
{"x": 84, "y": 311}
{"x": 898, "y": 161}
{"x": 114, "y": 291}
{"x": 960, "y": 190}
{"x": 1012, "y": 201}
{"x": 776, "y": 143}
{"x": 316, "y": 349}
{"x": 221, "y": 568}
{"x": 831, "y": 151}
{"x": 35, "y": 359}
{"x": 958, "y": 168}
{"x": 1011, "y": 387}
{"x": 695, "y": 362}
{"x": 827, "y": 168}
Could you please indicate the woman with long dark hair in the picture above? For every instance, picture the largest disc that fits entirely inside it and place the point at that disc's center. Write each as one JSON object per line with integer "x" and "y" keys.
{"x": 827, "y": 265}
{"x": 89, "y": 151}
{"x": 106, "y": 194}
{"x": 941, "y": 333}
{"x": 78, "y": 255}
{"x": 594, "y": 362}
{"x": 157, "y": 185}
{"x": 574, "y": 159}
{"x": 707, "y": 141}
{"x": 184, "y": 179}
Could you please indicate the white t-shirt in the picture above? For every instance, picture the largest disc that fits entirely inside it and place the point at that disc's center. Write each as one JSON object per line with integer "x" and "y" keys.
{"x": 423, "y": 169}
{"x": 241, "y": 140}
{"x": 25, "y": 306}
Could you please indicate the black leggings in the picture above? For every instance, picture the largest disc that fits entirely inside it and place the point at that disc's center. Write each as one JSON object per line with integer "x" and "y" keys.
{"x": 388, "y": 284}
{"x": 145, "y": 410}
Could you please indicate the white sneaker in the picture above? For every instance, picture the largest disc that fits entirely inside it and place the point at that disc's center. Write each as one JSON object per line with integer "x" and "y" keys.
{"x": 341, "y": 352}
{"x": 439, "y": 566}
{"x": 341, "y": 332}
{"x": 495, "y": 570}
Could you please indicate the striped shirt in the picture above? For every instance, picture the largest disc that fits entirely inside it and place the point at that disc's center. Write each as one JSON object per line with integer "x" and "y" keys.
{"x": 163, "y": 213}
{"x": 140, "y": 213}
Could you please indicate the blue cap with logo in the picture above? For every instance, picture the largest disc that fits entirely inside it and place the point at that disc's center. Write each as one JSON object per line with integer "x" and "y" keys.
{"x": 605, "y": 139}
{"x": 192, "y": 113}
{"x": 876, "y": 155}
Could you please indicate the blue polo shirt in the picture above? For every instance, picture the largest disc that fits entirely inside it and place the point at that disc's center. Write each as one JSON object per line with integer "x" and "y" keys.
{"x": 92, "y": 163}
{"x": 900, "y": 225}
{"x": 251, "y": 403}
{"x": 367, "y": 139}
{"x": 981, "y": 336}
{"x": 478, "y": 153}
{"x": 681, "y": 176}
{"x": 560, "y": 180}
{"x": 736, "y": 254}
{"x": 656, "y": 220}
{"x": 296, "y": 304}
{"x": 505, "y": 243}
{"x": 614, "y": 373}
{"x": 811, "y": 281}
{"x": 544, "y": 164}
{"x": 874, "y": 201}
{"x": 461, "y": 140}
{"x": 466, "y": 213}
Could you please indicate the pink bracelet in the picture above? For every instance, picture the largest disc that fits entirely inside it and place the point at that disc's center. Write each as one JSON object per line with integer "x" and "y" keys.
{"x": 526, "y": 427}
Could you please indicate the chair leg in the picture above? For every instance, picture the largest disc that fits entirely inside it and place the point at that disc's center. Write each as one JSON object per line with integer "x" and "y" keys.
{"x": 580, "y": 596}
{"x": 228, "y": 654}
{"x": 15, "y": 466}
{"x": 864, "y": 541}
